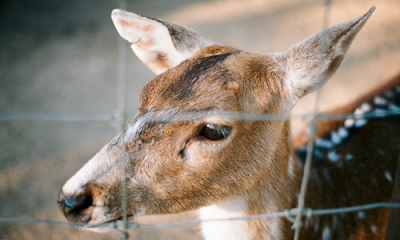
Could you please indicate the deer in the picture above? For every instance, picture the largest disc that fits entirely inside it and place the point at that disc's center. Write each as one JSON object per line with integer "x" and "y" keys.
{"x": 229, "y": 167}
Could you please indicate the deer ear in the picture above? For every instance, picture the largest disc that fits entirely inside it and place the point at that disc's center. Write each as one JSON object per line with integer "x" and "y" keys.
{"x": 158, "y": 44}
{"x": 306, "y": 70}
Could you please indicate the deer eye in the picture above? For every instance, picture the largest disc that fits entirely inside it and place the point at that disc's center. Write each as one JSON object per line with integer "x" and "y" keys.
{"x": 215, "y": 132}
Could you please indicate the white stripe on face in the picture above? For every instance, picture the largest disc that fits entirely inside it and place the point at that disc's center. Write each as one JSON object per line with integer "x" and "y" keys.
{"x": 102, "y": 168}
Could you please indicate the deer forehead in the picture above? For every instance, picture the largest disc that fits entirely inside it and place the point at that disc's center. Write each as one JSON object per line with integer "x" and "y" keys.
{"x": 215, "y": 78}
{"x": 192, "y": 79}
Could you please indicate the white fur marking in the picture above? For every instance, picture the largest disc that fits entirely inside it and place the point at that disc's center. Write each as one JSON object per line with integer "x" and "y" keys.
{"x": 343, "y": 133}
{"x": 349, "y": 156}
{"x": 388, "y": 176}
{"x": 365, "y": 107}
{"x": 276, "y": 230}
{"x": 361, "y": 215}
{"x": 91, "y": 171}
{"x": 323, "y": 143}
{"x": 333, "y": 156}
{"x": 326, "y": 233}
{"x": 338, "y": 136}
{"x": 374, "y": 228}
{"x": 335, "y": 137}
{"x": 231, "y": 208}
{"x": 380, "y": 112}
{"x": 131, "y": 132}
{"x": 378, "y": 100}
{"x": 358, "y": 112}
{"x": 349, "y": 123}
{"x": 360, "y": 122}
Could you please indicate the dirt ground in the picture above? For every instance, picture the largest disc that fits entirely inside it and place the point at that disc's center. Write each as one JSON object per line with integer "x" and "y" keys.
{"x": 60, "y": 58}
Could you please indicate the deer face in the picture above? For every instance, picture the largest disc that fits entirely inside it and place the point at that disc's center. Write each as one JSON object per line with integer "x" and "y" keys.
{"x": 175, "y": 163}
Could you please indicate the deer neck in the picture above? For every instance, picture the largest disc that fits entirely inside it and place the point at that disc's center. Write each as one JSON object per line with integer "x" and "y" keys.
{"x": 234, "y": 207}
{"x": 272, "y": 193}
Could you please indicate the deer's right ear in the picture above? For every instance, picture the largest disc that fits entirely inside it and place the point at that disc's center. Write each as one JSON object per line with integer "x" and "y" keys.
{"x": 158, "y": 44}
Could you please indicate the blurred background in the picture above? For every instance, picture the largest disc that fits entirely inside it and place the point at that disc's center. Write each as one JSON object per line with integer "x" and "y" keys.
{"x": 59, "y": 60}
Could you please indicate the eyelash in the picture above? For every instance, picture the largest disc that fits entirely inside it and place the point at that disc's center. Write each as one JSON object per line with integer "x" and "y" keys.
{"x": 215, "y": 132}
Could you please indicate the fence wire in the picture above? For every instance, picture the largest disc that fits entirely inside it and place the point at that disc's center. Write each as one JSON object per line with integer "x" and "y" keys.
{"x": 119, "y": 117}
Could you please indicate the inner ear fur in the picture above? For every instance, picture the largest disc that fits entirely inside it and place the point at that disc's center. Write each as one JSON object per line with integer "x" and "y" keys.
{"x": 159, "y": 44}
{"x": 307, "y": 68}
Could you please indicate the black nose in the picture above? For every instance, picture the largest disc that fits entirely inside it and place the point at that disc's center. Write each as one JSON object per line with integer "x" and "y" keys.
{"x": 77, "y": 207}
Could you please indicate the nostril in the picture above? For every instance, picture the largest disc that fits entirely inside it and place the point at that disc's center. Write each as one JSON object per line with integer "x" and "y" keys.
{"x": 78, "y": 203}
{"x": 75, "y": 207}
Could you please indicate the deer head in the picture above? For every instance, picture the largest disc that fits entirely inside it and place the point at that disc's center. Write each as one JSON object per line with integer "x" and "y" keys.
{"x": 176, "y": 163}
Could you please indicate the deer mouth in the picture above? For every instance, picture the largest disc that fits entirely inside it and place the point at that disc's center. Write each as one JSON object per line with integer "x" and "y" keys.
{"x": 108, "y": 225}
{"x": 121, "y": 218}
{"x": 129, "y": 217}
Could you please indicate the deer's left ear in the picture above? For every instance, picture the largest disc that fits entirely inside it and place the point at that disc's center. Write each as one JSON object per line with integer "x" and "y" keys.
{"x": 305, "y": 70}
{"x": 158, "y": 44}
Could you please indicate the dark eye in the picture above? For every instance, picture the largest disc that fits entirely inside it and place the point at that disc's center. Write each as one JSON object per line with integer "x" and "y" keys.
{"x": 215, "y": 132}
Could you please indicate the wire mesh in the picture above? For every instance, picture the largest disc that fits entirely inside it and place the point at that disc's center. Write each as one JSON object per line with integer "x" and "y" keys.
{"x": 118, "y": 118}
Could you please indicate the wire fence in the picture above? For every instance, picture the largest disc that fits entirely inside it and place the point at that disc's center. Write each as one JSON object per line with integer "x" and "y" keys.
{"x": 119, "y": 120}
